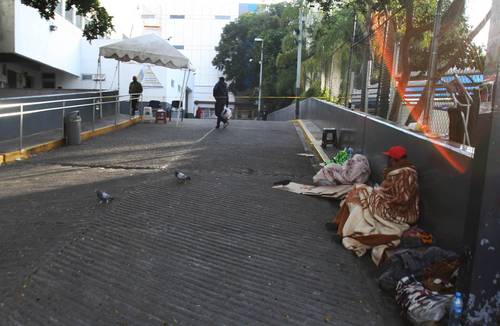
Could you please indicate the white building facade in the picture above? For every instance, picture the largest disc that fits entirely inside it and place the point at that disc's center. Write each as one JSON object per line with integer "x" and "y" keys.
{"x": 36, "y": 54}
{"x": 194, "y": 27}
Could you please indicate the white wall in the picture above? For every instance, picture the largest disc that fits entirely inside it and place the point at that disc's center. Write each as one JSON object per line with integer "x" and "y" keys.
{"x": 126, "y": 17}
{"x": 33, "y": 39}
{"x": 199, "y": 32}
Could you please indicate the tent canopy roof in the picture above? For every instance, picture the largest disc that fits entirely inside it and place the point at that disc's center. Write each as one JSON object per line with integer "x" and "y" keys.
{"x": 149, "y": 48}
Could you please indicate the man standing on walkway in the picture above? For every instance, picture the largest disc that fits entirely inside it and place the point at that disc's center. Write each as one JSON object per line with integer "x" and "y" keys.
{"x": 221, "y": 100}
{"x": 135, "y": 91}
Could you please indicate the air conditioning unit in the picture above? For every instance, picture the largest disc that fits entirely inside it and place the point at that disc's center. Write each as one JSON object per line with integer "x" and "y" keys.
{"x": 99, "y": 77}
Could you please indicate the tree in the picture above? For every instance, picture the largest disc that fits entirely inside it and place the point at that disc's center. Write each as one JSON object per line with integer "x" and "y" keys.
{"x": 238, "y": 55}
{"x": 99, "y": 21}
{"x": 413, "y": 21}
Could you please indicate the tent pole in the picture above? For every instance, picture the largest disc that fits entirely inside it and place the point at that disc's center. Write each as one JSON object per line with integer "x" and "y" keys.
{"x": 117, "y": 106}
{"x": 99, "y": 76}
{"x": 184, "y": 97}
{"x": 181, "y": 97}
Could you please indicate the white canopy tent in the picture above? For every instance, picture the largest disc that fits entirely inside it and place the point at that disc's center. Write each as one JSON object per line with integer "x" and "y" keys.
{"x": 149, "y": 48}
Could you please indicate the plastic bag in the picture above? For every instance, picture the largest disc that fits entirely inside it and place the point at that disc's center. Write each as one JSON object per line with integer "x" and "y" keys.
{"x": 227, "y": 113}
{"x": 340, "y": 158}
{"x": 419, "y": 304}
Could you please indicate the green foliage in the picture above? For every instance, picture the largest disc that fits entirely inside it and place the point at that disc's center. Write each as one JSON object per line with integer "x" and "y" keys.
{"x": 238, "y": 55}
{"x": 99, "y": 21}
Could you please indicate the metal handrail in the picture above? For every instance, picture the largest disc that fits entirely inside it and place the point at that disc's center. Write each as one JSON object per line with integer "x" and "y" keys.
{"x": 97, "y": 101}
{"x": 13, "y": 105}
{"x": 59, "y": 94}
{"x": 13, "y": 114}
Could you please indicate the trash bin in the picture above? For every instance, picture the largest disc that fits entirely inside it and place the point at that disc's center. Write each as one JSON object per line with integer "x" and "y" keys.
{"x": 73, "y": 128}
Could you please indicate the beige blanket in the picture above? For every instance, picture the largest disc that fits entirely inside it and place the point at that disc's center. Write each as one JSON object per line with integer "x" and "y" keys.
{"x": 376, "y": 218}
{"x": 336, "y": 192}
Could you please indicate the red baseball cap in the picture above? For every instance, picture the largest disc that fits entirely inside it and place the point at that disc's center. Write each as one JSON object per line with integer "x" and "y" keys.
{"x": 396, "y": 152}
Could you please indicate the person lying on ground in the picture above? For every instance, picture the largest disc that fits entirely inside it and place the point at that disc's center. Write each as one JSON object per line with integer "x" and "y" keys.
{"x": 355, "y": 170}
{"x": 375, "y": 218}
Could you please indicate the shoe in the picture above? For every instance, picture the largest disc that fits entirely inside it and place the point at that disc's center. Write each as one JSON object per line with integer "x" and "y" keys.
{"x": 281, "y": 183}
{"x": 226, "y": 124}
{"x": 337, "y": 238}
{"x": 331, "y": 227}
{"x": 217, "y": 127}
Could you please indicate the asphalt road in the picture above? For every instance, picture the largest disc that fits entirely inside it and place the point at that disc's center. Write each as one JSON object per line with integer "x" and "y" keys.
{"x": 223, "y": 249}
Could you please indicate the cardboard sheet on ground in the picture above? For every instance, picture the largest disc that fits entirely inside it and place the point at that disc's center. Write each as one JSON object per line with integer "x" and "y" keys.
{"x": 336, "y": 192}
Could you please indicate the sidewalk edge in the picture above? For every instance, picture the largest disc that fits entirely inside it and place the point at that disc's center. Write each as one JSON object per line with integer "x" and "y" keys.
{"x": 314, "y": 144}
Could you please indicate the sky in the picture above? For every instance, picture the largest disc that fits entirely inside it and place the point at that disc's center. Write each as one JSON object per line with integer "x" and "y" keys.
{"x": 476, "y": 10}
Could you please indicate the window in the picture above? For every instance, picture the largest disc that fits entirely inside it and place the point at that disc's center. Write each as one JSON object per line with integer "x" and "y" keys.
{"x": 86, "y": 76}
{"x": 247, "y": 7}
{"x": 48, "y": 80}
{"x": 59, "y": 8}
{"x": 222, "y": 17}
{"x": 78, "y": 21}
{"x": 172, "y": 83}
{"x": 179, "y": 47}
{"x": 147, "y": 16}
{"x": 177, "y": 16}
{"x": 69, "y": 14}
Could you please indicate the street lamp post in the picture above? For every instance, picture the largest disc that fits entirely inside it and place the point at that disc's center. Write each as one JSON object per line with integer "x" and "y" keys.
{"x": 258, "y": 39}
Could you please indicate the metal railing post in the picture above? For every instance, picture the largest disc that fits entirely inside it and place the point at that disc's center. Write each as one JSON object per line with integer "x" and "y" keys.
{"x": 63, "y": 115}
{"x": 93, "y": 115}
{"x": 21, "y": 117}
{"x": 116, "y": 107}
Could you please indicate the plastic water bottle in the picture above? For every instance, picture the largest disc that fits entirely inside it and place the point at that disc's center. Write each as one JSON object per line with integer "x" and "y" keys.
{"x": 456, "y": 310}
{"x": 350, "y": 152}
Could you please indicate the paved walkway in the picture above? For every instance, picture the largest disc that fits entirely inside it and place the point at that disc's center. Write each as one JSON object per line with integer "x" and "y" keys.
{"x": 12, "y": 145}
{"x": 223, "y": 249}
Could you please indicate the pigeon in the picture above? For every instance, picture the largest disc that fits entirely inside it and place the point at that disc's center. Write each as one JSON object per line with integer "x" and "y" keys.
{"x": 103, "y": 196}
{"x": 181, "y": 176}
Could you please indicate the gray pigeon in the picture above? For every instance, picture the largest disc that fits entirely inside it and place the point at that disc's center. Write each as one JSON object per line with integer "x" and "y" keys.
{"x": 181, "y": 176}
{"x": 103, "y": 196}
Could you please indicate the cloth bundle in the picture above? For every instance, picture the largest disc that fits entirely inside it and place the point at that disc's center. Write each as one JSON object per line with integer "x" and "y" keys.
{"x": 353, "y": 171}
{"x": 420, "y": 305}
{"x": 416, "y": 262}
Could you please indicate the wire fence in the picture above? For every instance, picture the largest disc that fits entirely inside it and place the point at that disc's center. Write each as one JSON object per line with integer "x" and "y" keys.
{"x": 365, "y": 74}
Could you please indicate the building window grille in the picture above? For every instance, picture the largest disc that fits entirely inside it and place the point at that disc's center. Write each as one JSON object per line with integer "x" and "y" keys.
{"x": 177, "y": 16}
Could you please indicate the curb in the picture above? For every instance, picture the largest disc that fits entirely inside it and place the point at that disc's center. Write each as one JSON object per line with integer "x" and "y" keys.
{"x": 10, "y": 157}
{"x": 314, "y": 144}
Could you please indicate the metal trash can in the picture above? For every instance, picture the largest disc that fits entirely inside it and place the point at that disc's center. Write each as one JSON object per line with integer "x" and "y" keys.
{"x": 73, "y": 128}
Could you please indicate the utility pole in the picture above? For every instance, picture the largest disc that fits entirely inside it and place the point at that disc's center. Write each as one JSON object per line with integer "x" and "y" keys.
{"x": 432, "y": 63}
{"x": 261, "y": 40}
{"x": 299, "y": 62}
{"x": 348, "y": 83}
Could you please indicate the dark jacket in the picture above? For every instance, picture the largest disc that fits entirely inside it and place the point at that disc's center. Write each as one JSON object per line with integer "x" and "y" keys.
{"x": 135, "y": 88}
{"x": 220, "y": 92}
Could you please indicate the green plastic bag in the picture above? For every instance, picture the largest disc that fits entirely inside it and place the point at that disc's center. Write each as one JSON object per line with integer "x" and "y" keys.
{"x": 340, "y": 158}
